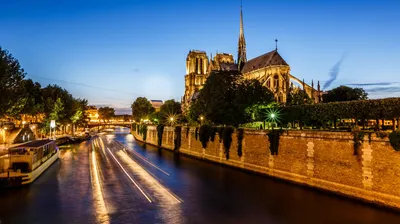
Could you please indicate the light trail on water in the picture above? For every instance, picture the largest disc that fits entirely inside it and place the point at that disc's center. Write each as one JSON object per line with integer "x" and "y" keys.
{"x": 144, "y": 159}
{"x": 151, "y": 181}
{"x": 97, "y": 191}
{"x": 130, "y": 178}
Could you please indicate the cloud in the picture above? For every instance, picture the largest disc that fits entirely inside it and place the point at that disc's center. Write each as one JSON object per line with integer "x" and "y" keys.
{"x": 333, "y": 74}
{"x": 372, "y": 84}
{"x": 384, "y": 89}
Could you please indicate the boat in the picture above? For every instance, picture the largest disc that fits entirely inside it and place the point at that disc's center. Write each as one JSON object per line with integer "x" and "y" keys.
{"x": 24, "y": 163}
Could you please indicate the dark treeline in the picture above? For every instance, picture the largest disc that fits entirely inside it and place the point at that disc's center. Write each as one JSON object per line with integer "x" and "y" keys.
{"x": 23, "y": 99}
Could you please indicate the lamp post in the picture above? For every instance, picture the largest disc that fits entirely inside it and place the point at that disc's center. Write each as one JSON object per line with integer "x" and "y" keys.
{"x": 201, "y": 120}
{"x": 172, "y": 120}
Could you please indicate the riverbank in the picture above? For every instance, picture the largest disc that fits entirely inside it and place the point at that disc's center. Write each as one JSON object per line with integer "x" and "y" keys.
{"x": 321, "y": 160}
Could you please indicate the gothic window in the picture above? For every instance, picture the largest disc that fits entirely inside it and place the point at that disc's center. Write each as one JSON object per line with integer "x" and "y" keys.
{"x": 197, "y": 65}
{"x": 201, "y": 66}
{"x": 269, "y": 83}
{"x": 276, "y": 81}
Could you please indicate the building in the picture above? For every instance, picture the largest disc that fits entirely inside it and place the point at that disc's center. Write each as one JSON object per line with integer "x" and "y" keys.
{"x": 270, "y": 69}
{"x": 156, "y": 104}
{"x": 92, "y": 113}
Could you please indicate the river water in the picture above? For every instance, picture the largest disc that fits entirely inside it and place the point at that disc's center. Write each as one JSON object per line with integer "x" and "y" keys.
{"x": 123, "y": 181}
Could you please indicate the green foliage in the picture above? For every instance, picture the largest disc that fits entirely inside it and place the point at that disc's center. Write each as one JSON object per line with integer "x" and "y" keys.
{"x": 273, "y": 138}
{"x": 394, "y": 139}
{"x": 227, "y": 139}
{"x": 187, "y": 131}
{"x": 220, "y": 130}
{"x": 381, "y": 134}
{"x": 178, "y": 135}
{"x": 240, "y": 136}
{"x": 141, "y": 109}
{"x": 170, "y": 108}
{"x": 344, "y": 93}
{"x": 362, "y": 109}
{"x": 11, "y": 78}
{"x": 143, "y": 131}
{"x": 160, "y": 130}
{"x": 298, "y": 98}
{"x": 213, "y": 132}
{"x": 205, "y": 134}
{"x": 196, "y": 133}
{"x": 227, "y": 98}
{"x": 358, "y": 139}
{"x": 106, "y": 113}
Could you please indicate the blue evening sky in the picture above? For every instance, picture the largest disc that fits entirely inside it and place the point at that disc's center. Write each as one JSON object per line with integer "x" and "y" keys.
{"x": 111, "y": 52}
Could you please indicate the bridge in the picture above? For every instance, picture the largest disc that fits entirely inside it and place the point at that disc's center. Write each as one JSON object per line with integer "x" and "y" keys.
{"x": 109, "y": 124}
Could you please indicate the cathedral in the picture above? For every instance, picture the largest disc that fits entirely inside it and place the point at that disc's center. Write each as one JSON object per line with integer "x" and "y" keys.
{"x": 270, "y": 69}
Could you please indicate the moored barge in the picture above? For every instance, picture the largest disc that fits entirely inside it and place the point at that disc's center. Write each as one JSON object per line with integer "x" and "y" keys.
{"x": 24, "y": 163}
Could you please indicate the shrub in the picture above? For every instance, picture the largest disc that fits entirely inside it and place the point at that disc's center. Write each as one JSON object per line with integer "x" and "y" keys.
{"x": 240, "y": 135}
{"x": 213, "y": 132}
{"x": 358, "y": 138}
{"x": 160, "y": 130}
{"x": 227, "y": 139}
{"x": 205, "y": 134}
{"x": 388, "y": 108}
{"x": 220, "y": 130}
{"x": 187, "y": 131}
{"x": 381, "y": 134}
{"x": 273, "y": 138}
{"x": 178, "y": 135}
{"x": 143, "y": 131}
{"x": 394, "y": 139}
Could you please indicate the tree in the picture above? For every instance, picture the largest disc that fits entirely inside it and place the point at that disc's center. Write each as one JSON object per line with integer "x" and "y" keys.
{"x": 79, "y": 117}
{"x": 141, "y": 108}
{"x": 11, "y": 76}
{"x": 106, "y": 113}
{"x": 227, "y": 98}
{"x": 298, "y": 98}
{"x": 344, "y": 93}
{"x": 169, "y": 109}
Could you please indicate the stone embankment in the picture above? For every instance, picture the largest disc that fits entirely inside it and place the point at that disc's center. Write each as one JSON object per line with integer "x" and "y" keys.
{"x": 323, "y": 160}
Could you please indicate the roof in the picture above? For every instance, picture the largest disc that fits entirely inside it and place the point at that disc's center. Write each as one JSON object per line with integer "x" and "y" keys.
{"x": 228, "y": 67}
{"x": 265, "y": 60}
{"x": 156, "y": 101}
{"x": 34, "y": 144}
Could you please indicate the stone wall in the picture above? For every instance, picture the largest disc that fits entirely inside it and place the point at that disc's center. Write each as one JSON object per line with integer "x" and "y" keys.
{"x": 323, "y": 160}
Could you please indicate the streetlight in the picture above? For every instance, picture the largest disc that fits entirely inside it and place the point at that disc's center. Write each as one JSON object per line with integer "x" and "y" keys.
{"x": 201, "y": 119}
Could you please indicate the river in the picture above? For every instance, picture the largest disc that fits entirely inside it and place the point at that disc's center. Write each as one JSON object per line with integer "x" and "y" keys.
{"x": 114, "y": 179}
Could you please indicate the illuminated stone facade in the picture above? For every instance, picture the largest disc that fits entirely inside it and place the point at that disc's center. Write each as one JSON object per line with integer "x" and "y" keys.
{"x": 270, "y": 69}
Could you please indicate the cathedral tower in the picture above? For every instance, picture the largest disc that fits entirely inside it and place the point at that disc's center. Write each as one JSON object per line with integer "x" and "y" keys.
{"x": 242, "y": 44}
{"x": 196, "y": 71}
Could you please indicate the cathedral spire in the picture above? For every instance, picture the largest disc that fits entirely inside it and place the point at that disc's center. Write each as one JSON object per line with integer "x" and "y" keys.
{"x": 242, "y": 42}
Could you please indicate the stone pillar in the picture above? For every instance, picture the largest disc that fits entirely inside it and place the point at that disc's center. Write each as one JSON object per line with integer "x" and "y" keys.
{"x": 166, "y": 139}
{"x": 221, "y": 151}
{"x": 271, "y": 163}
{"x": 366, "y": 166}
{"x": 189, "y": 140}
{"x": 173, "y": 139}
{"x": 310, "y": 160}
{"x": 243, "y": 152}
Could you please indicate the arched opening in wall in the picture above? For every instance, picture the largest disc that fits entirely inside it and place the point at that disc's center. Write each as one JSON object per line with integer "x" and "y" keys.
{"x": 276, "y": 81}
{"x": 201, "y": 66}
{"x": 197, "y": 65}
{"x": 269, "y": 83}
